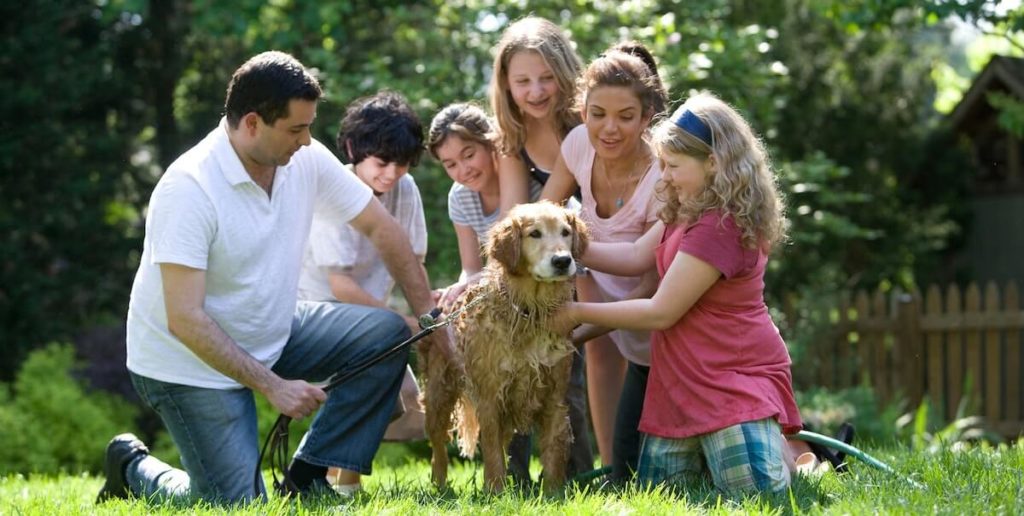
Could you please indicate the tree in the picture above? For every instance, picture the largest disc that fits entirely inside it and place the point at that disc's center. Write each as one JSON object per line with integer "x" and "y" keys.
{"x": 67, "y": 128}
{"x": 115, "y": 90}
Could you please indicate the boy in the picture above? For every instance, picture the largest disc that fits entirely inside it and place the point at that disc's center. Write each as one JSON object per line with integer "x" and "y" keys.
{"x": 382, "y": 138}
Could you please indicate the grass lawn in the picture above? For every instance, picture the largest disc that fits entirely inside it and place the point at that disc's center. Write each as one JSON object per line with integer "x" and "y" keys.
{"x": 983, "y": 480}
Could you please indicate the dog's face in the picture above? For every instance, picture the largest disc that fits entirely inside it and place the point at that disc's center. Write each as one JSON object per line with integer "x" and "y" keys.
{"x": 541, "y": 240}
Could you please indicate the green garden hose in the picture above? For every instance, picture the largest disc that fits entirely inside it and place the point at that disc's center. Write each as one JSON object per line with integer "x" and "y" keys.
{"x": 853, "y": 451}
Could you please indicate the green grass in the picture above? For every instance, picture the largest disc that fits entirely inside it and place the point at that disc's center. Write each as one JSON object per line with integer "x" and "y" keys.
{"x": 980, "y": 480}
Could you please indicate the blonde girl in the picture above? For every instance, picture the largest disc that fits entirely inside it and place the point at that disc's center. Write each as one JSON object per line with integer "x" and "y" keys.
{"x": 610, "y": 162}
{"x": 720, "y": 394}
{"x": 532, "y": 91}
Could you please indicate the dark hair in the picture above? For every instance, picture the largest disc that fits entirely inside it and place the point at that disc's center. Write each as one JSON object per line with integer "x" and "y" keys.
{"x": 627, "y": 64}
{"x": 383, "y": 125}
{"x": 265, "y": 84}
{"x": 465, "y": 120}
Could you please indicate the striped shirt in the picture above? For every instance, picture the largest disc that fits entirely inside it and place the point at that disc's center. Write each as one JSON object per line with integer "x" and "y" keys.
{"x": 465, "y": 208}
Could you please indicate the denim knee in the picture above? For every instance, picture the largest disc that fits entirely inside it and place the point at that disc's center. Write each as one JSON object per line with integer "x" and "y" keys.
{"x": 215, "y": 433}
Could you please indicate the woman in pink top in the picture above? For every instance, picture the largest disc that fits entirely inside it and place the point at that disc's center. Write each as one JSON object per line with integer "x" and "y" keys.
{"x": 720, "y": 394}
{"x": 614, "y": 168}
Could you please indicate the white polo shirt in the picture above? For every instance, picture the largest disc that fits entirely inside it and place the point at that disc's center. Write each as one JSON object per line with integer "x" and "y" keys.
{"x": 207, "y": 213}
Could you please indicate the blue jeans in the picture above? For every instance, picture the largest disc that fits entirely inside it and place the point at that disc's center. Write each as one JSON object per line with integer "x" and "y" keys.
{"x": 215, "y": 429}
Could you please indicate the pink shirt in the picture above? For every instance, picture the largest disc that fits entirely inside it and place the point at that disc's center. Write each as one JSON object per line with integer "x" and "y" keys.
{"x": 626, "y": 225}
{"x": 723, "y": 362}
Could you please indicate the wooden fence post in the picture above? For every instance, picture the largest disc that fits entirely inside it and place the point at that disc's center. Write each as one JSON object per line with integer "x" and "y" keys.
{"x": 972, "y": 344}
{"x": 864, "y": 338}
{"x": 1012, "y": 303}
{"x": 844, "y": 369}
{"x": 954, "y": 352}
{"x": 879, "y": 325}
{"x": 993, "y": 354}
{"x": 936, "y": 375}
{"x": 908, "y": 356}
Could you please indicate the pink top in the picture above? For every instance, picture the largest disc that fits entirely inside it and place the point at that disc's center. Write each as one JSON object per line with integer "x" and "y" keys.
{"x": 626, "y": 225}
{"x": 723, "y": 362}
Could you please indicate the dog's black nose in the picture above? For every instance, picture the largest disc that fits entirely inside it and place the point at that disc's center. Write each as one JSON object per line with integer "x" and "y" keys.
{"x": 561, "y": 262}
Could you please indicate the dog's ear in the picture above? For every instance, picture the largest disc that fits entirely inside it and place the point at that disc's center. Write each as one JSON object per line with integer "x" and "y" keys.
{"x": 580, "y": 235}
{"x": 503, "y": 243}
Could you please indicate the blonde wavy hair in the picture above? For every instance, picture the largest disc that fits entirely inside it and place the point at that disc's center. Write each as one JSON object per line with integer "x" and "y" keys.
{"x": 554, "y": 47}
{"x": 742, "y": 183}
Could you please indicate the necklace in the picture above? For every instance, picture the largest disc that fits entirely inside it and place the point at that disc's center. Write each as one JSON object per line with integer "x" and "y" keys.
{"x": 623, "y": 189}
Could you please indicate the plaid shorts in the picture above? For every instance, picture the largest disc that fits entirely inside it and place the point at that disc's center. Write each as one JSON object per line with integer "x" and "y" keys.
{"x": 741, "y": 458}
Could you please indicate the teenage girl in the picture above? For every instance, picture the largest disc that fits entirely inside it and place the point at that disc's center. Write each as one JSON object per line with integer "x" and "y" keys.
{"x": 461, "y": 137}
{"x": 532, "y": 92}
{"x": 609, "y": 160}
{"x": 720, "y": 394}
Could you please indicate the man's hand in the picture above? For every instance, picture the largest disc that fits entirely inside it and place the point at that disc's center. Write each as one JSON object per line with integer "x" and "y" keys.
{"x": 295, "y": 398}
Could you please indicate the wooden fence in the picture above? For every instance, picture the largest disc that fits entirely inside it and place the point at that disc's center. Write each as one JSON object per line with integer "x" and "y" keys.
{"x": 944, "y": 345}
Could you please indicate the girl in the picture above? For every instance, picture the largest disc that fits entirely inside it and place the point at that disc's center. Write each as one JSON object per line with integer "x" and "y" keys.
{"x": 609, "y": 161}
{"x": 532, "y": 88}
{"x": 720, "y": 384}
{"x": 532, "y": 91}
{"x": 461, "y": 138}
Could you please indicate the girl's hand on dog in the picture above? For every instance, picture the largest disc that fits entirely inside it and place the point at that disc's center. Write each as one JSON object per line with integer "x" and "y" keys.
{"x": 447, "y": 296}
{"x": 563, "y": 321}
{"x": 587, "y": 331}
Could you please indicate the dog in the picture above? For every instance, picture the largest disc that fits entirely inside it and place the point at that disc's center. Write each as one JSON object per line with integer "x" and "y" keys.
{"x": 516, "y": 369}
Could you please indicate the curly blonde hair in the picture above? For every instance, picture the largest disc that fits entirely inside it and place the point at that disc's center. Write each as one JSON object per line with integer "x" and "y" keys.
{"x": 538, "y": 35}
{"x": 742, "y": 183}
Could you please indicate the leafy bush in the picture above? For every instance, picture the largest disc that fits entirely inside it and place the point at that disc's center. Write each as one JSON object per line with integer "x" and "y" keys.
{"x": 49, "y": 423}
{"x": 926, "y": 433}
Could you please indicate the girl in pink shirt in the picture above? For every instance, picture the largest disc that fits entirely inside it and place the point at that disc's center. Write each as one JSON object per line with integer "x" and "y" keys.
{"x": 719, "y": 395}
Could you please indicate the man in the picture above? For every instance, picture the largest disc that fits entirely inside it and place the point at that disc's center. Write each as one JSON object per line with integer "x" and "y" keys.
{"x": 213, "y": 314}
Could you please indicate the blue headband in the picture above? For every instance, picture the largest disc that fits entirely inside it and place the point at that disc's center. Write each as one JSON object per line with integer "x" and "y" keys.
{"x": 692, "y": 124}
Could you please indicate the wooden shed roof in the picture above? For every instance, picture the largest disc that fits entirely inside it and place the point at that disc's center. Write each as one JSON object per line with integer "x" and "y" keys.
{"x": 1002, "y": 73}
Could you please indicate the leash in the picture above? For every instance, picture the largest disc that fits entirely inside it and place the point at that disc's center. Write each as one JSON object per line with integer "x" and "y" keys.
{"x": 275, "y": 448}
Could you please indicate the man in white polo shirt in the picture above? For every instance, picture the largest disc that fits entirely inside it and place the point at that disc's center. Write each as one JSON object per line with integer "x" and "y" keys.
{"x": 213, "y": 313}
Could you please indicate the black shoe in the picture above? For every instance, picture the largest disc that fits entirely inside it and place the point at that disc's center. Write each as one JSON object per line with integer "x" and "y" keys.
{"x": 836, "y": 458}
{"x": 318, "y": 488}
{"x": 121, "y": 450}
{"x": 844, "y": 434}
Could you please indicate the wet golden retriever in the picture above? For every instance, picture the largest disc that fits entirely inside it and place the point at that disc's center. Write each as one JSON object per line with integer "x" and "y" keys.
{"x": 516, "y": 370}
